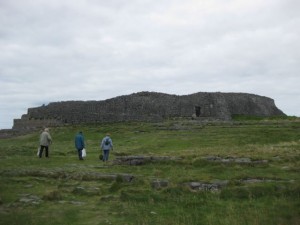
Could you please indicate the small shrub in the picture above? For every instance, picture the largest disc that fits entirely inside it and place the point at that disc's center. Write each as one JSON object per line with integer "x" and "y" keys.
{"x": 52, "y": 196}
{"x": 115, "y": 187}
{"x": 235, "y": 193}
{"x": 136, "y": 196}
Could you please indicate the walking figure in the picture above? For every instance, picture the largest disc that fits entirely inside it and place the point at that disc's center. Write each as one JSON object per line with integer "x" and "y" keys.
{"x": 106, "y": 145}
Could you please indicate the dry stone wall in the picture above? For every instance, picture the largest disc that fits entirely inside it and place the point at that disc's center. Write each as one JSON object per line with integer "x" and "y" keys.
{"x": 148, "y": 106}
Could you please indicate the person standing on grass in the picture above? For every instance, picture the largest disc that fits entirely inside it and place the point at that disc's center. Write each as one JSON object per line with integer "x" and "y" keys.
{"x": 106, "y": 145}
{"x": 79, "y": 144}
{"x": 45, "y": 141}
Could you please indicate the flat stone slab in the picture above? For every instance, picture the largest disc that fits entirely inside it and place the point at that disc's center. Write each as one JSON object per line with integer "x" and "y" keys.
{"x": 30, "y": 199}
{"x": 207, "y": 186}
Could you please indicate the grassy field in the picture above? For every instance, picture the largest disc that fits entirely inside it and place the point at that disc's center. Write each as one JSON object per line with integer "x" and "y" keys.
{"x": 63, "y": 190}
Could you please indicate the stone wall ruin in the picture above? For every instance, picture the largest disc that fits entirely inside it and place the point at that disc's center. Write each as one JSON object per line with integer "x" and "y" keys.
{"x": 148, "y": 106}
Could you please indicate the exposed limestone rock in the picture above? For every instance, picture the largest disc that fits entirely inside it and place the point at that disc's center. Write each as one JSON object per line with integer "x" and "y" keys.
{"x": 141, "y": 160}
{"x": 77, "y": 203}
{"x": 205, "y": 186}
{"x": 87, "y": 176}
{"x": 30, "y": 199}
{"x": 255, "y": 180}
{"x": 159, "y": 183}
{"x": 243, "y": 160}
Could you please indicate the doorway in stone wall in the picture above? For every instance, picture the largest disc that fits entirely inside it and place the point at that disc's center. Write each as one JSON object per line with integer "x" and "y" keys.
{"x": 197, "y": 111}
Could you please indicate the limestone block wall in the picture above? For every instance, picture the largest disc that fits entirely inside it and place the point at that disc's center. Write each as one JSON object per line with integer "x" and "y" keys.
{"x": 250, "y": 104}
{"x": 148, "y": 106}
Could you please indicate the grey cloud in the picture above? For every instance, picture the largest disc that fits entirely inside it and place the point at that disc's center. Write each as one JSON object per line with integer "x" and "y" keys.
{"x": 92, "y": 49}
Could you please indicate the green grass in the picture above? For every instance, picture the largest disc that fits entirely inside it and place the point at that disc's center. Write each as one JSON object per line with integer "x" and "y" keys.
{"x": 68, "y": 196}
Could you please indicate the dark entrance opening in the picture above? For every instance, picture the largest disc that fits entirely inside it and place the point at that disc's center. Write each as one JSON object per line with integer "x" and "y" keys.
{"x": 197, "y": 111}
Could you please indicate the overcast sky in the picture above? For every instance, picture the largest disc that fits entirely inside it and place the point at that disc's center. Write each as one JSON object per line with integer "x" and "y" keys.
{"x": 98, "y": 49}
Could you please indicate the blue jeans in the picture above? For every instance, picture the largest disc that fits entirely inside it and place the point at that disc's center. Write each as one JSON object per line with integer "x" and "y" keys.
{"x": 105, "y": 155}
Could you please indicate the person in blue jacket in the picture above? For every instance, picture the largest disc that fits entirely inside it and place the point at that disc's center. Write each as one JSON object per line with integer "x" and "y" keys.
{"x": 106, "y": 145}
{"x": 79, "y": 144}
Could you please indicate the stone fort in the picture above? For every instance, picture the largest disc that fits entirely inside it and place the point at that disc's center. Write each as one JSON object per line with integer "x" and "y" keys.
{"x": 148, "y": 106}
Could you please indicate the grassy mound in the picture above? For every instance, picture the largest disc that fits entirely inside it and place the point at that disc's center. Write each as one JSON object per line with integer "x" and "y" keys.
{"x": 194, "y": 190}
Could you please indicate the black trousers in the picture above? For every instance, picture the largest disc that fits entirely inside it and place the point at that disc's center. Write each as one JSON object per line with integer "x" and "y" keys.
{"x": 46, "y": 151}
{"x": 80, "y": 154}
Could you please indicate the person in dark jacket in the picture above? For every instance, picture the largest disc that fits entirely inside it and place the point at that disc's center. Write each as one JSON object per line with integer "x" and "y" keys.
{"x": 79, "y": 144}
{"x": 106, "y": 145}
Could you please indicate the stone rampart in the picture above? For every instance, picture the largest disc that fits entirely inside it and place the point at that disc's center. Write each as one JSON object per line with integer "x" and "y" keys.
{"x": 148, "y": 106}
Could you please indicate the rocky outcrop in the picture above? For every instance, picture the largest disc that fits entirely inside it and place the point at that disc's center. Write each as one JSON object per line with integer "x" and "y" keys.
{"x": 148, "y": 106}
{"x": 141, "y": 160}
{"x": 207, "y": 186}
{"x": 60, "y": 174}
{"x": 243, "y": 160}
